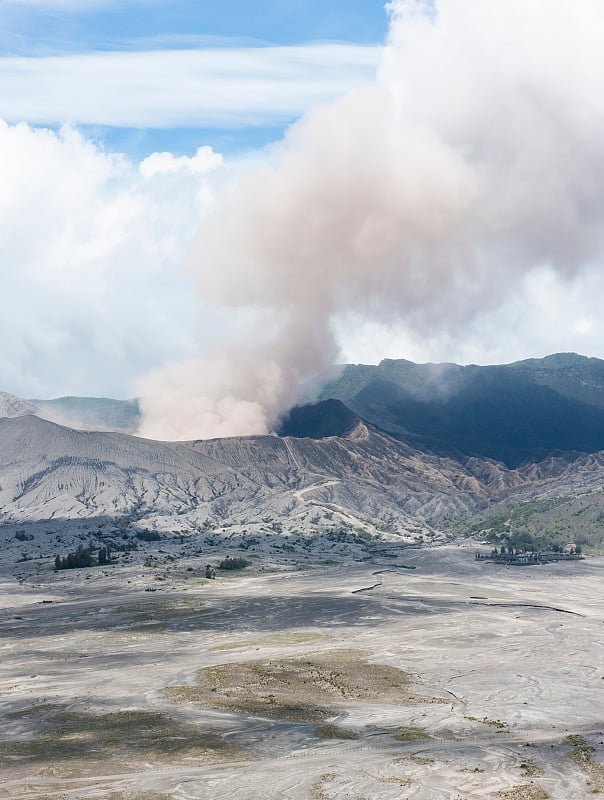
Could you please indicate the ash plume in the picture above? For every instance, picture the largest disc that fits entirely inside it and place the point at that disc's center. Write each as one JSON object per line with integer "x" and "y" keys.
{"x": 475, "y": 158}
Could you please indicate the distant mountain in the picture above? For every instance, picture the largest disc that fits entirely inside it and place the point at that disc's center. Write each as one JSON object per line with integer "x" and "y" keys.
{"x": 513, "y": 413}
{"x": 91, "y": 413}
{"x": 81, "y": 413}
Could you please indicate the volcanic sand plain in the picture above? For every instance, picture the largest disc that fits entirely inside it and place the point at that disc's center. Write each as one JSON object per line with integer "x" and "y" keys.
{"x": 425, "y": 675}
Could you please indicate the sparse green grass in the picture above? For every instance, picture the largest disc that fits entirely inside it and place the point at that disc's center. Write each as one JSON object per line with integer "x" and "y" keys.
{"x": 149, "y": 627}
{"x": 318, "y": 788}
{"x": 415, "y": 759}
{"x": 302, "y": 689}
{"x": 233, "y": 564}
{"x": 161, "y": 616}
{"x": 331, "y": 731}
{"x": 581, "y": 753}
{"x": 531, "y": 770}
{"x": 494, "y": 723}
{"x": 398, "y": 779}
{"x": 527, "y": 791}
{"x": 409, "y": 733}
{"x": 547, "y": 521}
{"x": 125, "y": 735}
{"x": 162, "y": 610}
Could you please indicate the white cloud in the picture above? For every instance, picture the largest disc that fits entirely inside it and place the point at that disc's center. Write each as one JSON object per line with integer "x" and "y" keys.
{"x": 171, "y": 88}
{"x": 546, "y": 314}
{"x": 205, "y": 160}
{"x": 93, "y": 290}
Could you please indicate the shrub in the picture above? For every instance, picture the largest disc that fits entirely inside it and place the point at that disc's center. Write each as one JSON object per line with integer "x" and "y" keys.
{"x": 148, "y": 536}
{"x": 331, "y": 731}
{"x": 233, "y": 563}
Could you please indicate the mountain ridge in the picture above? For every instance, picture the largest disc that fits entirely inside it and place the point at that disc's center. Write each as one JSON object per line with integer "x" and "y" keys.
{"x": 515, "y": 413}
{"x": 50, "y": 471}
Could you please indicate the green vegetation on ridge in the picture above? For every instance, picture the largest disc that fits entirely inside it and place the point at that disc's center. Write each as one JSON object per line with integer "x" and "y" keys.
{"x": 540, "y": 524}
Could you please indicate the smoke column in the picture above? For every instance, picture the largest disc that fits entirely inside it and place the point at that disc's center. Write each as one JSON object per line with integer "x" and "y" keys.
{"x": 476, "y": 157}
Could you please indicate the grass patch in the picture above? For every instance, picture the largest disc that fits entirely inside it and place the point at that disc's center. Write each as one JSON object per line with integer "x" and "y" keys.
{"x": 233, "y": 564}
{"x": 494, "y": 723}
{"x": 410, "y": 734}
{"x": 531, "y": 770}
{"x": 400, "y": 780}
{"x": 331, "y": 731}
{"x": 414, "y": 759}
{"x": 581, "y": 753}
{"x": 126, "y": 735}
{"x": 187, "y": 614}
{"x": 527, "y": 791}
{"x": 303, "y": 689}
{"x": 166, "y": 610}
{"x": 318, "y": 788}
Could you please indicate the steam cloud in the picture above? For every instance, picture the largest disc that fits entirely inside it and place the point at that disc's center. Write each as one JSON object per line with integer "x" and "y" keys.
{"x": 475, "y": 158}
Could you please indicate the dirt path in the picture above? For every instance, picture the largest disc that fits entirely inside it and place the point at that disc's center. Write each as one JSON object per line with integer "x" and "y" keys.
{"x": 299, "y": 493}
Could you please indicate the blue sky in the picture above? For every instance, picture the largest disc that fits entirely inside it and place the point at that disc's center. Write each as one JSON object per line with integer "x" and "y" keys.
{"x": 42, "y": 43}
{"x": 33, "y": 26}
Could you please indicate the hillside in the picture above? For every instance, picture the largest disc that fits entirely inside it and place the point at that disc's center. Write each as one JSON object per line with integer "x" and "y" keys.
{"x": 399, "y": 449}
{"x": 365, "y": 482}
{"x": 49, "y": 471}
{"x": 515, "y": 413}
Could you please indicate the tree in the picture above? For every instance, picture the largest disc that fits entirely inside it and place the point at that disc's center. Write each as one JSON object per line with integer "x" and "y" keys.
{"x": 233, "y": 563}
{"x": 81, "y": 558}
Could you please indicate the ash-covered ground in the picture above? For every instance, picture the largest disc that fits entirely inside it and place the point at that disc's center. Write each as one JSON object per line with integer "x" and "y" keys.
{"x": 324, "y": 669}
